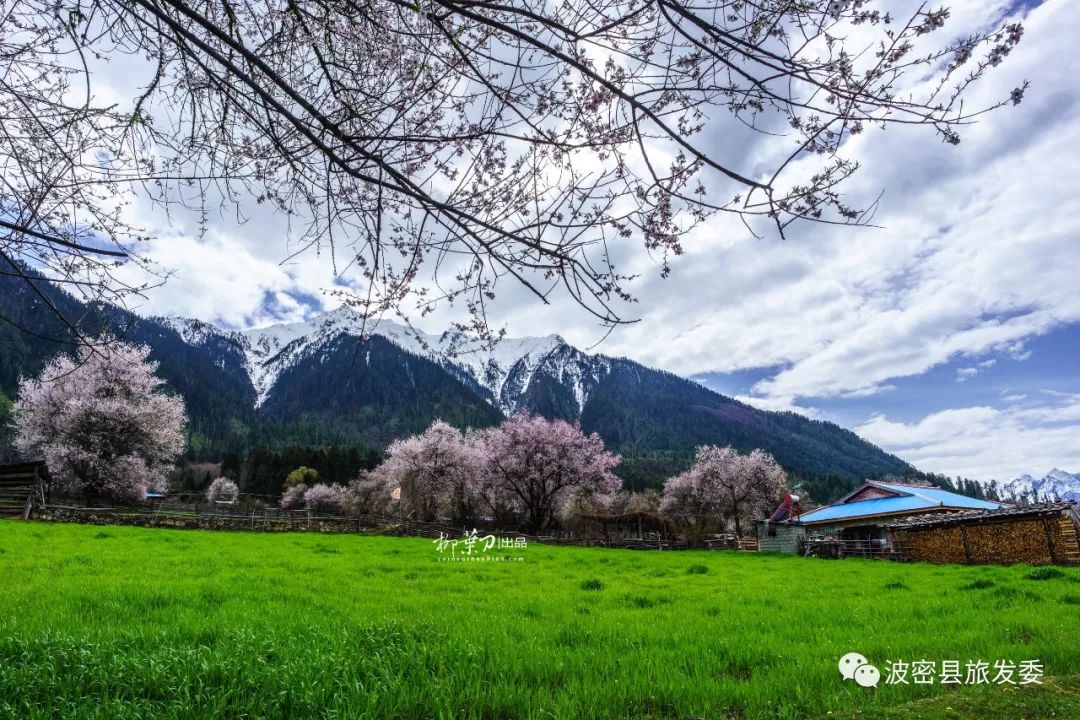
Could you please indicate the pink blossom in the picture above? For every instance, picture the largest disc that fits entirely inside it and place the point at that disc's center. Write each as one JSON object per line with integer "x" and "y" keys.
{"x": 293, "y": 497}
{"x": 321, "y": 498}
{"x": 724, "y": 486}
{"x": 222, "y": 490}
{"x": 438, "y": 472}
{"x": 535, "y": 468}
{"x": 101, "y": 422}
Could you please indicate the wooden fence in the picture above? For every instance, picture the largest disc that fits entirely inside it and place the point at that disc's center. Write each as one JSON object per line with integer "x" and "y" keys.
{"x": 22, "y": 488}
{"x": 271, "y": 519}
{"x": 834, "y": 549}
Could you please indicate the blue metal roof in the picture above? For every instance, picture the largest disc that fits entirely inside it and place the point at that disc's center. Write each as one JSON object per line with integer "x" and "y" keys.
{"x": 911, "y": 499}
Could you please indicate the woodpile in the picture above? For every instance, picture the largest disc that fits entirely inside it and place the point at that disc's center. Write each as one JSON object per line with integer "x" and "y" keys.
{"x": 1037, "y": 535}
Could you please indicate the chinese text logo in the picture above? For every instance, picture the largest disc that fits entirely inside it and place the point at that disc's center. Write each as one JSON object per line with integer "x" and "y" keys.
{"x": 854, "y": 666}
{"x": 473, "y": 546}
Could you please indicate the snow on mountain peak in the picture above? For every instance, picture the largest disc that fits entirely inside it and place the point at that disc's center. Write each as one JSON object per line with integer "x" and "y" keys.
{"x": 193, "y": 332}
{"x": 504, "y": 370}
{"x": 1055, "y": 484}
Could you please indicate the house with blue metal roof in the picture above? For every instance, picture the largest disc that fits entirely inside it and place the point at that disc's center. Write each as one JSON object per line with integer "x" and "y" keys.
{"x": 876, "y": 501}
{"x": 863, "y": 515}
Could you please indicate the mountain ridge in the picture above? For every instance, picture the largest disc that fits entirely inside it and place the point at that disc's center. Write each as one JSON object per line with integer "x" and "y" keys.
{"x": 319, "y": 383}
{"x": 548, "y": 376}
{"x": 1055, "y": 484}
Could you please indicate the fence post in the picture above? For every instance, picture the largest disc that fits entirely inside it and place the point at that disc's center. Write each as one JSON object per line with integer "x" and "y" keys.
{"x": 1049, "y": 540}
{"x": 967, "y": 544}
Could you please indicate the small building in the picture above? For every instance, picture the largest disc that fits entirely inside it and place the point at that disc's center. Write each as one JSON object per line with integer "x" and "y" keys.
{"x": 784, "y": 537}
{"x": 857, "y": 524}
{"x": 861, "y": 514}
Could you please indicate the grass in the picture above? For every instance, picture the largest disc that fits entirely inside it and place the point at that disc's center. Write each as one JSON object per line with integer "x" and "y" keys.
{"x": 137, "y": 623}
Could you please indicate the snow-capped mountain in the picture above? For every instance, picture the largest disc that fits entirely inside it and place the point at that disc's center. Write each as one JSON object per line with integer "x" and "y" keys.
{"x": 1055, "y": 484}
{"x": 503, "y": 373}
{"x": 334, "y": 382}
{"x": 320, "y": 378}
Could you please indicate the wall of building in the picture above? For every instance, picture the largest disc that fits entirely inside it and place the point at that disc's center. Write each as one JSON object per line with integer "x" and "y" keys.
{"x": 787, "y": 538}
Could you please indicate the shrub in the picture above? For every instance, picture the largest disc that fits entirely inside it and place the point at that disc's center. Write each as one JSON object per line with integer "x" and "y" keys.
{"x": 325, "y": 498}
{"x": 302, "y": 476}
{"x": 293, "y": 497}
{"x": 222, "y": 490}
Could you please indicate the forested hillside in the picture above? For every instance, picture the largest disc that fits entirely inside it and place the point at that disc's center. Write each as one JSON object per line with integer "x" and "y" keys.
{"x": 330, "y": 388}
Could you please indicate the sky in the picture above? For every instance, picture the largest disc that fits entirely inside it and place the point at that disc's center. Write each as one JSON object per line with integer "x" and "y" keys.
{"x": 949, "y": 335}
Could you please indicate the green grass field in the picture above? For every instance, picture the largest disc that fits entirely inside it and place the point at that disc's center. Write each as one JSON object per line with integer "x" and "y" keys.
{"x": 127, "y": 622}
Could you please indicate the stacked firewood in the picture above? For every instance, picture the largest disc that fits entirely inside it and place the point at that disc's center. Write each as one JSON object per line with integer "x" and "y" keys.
{"x": 937, "y": 545}
{"x": 1028, "y": 540}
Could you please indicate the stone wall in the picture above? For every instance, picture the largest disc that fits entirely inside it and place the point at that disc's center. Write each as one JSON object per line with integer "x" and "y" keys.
{"x": 296, "y": 523}
{"x": 787, "y": 538}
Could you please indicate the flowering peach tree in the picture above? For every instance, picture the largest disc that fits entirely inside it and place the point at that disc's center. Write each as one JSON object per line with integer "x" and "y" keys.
{"x": 724, "y": 486}
{"x": 323, "y": 498}
{"x": 222, "y": 490}
{"x": 447, "y": 146}
{"x": 536, "y": 467}
{"x": 102, "y": 422}
{"x": 437, "y": 471}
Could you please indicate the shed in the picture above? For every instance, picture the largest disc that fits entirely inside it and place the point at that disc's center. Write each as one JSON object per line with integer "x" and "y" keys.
{"x": 784, "y": 537}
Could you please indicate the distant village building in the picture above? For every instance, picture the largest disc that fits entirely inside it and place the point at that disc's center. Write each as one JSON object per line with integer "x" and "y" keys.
{"x": 861, "y": 513}
{"x": 903, "y": 521}
{"x": 862, "y": 516}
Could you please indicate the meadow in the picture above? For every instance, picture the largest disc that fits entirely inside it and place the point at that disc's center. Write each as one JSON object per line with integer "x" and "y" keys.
{"x": 115, "y": 622}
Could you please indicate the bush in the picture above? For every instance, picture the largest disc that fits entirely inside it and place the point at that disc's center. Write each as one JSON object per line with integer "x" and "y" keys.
{"x": 222, "y": 490}
{"x": 293, "y": 497}
{"x": 325, "y": 498}
{"x": 1045, "y": 573}
{"x": 302, "y": 476}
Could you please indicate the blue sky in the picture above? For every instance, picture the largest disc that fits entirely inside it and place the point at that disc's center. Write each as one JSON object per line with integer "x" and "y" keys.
{"x": 947, "y": 335}
{"x": 1046, "y": 363}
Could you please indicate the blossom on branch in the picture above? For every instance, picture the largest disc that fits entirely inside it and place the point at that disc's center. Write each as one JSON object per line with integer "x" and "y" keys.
{"x": 101, "y": 422}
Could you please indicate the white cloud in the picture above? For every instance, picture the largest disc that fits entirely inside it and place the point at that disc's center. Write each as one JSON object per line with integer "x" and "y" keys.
{"x": 217, "y": 278}
{"x": 985, "y": 442}
{"x": 966, "y": 373}
{"x": 978, "y": 255}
